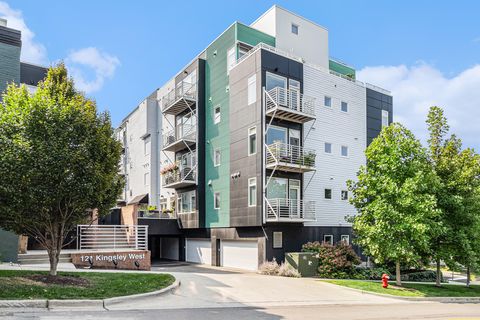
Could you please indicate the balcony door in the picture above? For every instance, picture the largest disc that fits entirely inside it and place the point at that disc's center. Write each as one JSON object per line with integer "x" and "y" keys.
{"x": 294, "y": 94}
{"x": 294, "y": 198}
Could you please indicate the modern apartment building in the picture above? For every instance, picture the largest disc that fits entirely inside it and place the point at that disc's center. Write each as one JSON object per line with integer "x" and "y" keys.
{"x": 253, "y": 143}
{"x": 16, "y": 71}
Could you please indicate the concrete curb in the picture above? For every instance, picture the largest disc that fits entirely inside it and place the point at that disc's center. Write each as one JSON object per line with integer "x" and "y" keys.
{"x": 419, "y": 299}
{"x": 84, "y": 304}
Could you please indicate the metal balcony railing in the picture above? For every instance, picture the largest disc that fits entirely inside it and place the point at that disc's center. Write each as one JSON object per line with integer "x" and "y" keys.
{"x": 184, "y": 132}
{"x": 180, "y": 98}
{"x": 289, "y": 104}
{"x": 290, "y": 157}
{"x": 290, "y": 210}
{"x": 180, "y": 177}
{"x": 98, "y": 237}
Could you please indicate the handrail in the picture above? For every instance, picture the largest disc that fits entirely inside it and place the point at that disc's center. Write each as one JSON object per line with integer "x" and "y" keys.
{"x": 188, "y": 132}
{"x": 280, "y": 152}
{"x": 180, "y": 174}
{"x": 291, "y": 99}
{"x": 290, "y": 209}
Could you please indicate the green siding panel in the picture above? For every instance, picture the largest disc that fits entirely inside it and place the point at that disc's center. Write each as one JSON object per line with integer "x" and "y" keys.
{"x": 252, "y": 36}
{"x": 342, "y": 69}
{"x": 9, "y": 246}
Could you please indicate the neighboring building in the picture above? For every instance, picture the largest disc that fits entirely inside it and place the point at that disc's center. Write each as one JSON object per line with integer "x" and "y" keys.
{"x": 13, "y": 70}
{"x": 260, "y": 133}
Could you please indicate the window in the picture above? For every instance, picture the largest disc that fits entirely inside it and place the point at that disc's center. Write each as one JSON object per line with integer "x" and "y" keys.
{"x": 328, "y": 193}
{"x": 345, "y": 238}
{"x": 187, "y": 202}
{"x": 252, "y": 192}
{"x": 252, "y": 141}
{"x": 277, "y": 240}
{"x": 146, "y": 146}
{"x": 294, "y": 28}
{"x": 327, "y": 102}
{"x": 216, "y": 200}
{"x": 273, "y": 81}
{"x": 163, "y": 204}
{"x": 252, "y": 89}
{"x": 344, "y": 151}
{"x": 146, "y": 178}
{"x": 344, "y": 195}
{"x": 344, "y": 106}
{"x": 328, "y": 238}
{"x": 277, "y": 188}
{"x": 216, "y": 114}
{"x": 243, "y": 49}
{"x": 276, "y": 134}
{"x": 217, "y": 157}
{"x": 231, "y": 59}
{"x": 328, "y": 147}
{"x": 384, "y": 118}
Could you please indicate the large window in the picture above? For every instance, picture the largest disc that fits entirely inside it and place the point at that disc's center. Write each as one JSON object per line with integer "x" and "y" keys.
{"x": 276, "y": 134}
{"x": 187, "y": 202}
{"x": 252, "y": 192}
{"x": 384, "y": 118}
{"x": 216, "y": 200}
{"x": 252, "y": 89}
{"x": 252, "y": 141}
{"x": 273, "y": 81}
{"x": 277, "y": 188}
{"x": 231, "y": 59}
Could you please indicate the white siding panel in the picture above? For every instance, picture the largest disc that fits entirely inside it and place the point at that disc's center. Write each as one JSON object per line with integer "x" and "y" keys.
{"x": 339, "y": 128}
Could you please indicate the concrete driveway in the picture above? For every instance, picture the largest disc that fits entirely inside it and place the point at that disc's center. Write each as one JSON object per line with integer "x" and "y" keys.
{"x": 213, "y": 287}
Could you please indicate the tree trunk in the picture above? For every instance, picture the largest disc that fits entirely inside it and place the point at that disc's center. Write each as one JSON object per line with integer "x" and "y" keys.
{"x": 438, "y": 281}
{"x": 53, "y": 255}
{"x": 468, "y": 276}
{"x": 398, "y": 275}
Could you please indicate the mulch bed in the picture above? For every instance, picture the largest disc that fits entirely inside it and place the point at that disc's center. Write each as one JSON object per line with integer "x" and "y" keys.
{"x": 59, "y": 280}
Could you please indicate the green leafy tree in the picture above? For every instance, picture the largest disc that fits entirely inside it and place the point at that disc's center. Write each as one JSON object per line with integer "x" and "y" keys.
{"x": 58, "y": 161}
{"x": 395, "y": 200}
{"x": 457, "y": 197}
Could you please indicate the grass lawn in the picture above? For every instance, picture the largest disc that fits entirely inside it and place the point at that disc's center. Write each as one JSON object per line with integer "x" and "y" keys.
{"x": 15, "y": 284}
{"x": 412, "y": 289}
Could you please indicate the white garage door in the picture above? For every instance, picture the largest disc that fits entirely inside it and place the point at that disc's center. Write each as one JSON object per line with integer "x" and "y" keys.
{"x": 198, "y": 251}
{"x": 240, "y": 254}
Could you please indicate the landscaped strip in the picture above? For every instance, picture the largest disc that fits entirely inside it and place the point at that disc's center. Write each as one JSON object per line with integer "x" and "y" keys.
{"x": 18, "y": 285}
{"x": 411, "y": 289}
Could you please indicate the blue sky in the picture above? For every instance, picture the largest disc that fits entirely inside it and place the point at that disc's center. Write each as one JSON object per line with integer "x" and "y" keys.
{"x": 426, "y": 52}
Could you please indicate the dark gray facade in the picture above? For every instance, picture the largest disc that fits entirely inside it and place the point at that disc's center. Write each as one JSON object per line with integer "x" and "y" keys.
{"x": 376, "y": 102}
{"x": 31, "y": 74}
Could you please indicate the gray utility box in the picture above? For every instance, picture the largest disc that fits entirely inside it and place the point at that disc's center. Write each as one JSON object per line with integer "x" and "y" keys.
{"x": 305, "y": 262}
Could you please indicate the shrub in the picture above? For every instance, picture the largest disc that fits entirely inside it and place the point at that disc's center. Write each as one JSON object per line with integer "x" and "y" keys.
{"x": 286, "y": 270}
{"x": 419, "y": 276}
{"x": 335, "y": 261}
{"x": 269, "y": 268}
{"x": 371, "y": 273}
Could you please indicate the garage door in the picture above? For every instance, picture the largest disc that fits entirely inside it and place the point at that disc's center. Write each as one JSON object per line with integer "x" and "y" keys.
{"x": 240, "y": 254}
{"x": 198, "y": 251}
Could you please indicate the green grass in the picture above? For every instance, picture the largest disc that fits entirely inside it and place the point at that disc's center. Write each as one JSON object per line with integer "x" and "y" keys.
{"x": 102, "y": 285}
{"x": 412, "y": 289}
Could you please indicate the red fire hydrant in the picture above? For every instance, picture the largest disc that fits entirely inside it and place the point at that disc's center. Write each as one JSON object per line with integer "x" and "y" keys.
{"x": 385, "y": 278}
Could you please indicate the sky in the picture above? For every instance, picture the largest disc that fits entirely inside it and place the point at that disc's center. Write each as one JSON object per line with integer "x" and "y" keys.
{"x": 425, "y": 52}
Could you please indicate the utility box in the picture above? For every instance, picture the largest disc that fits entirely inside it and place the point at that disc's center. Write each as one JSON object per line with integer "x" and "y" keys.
{"x": 304, "y": 262}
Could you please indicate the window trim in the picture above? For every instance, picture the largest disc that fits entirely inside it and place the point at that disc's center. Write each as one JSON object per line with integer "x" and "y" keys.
{"x": 230, "y": 67}
{"x": 215, "y": 200}
{"x": 325, "y": 99}
{"x": 345, "y": 236}
{"x": 341, "y": 195}
{"x": 146, "y": 182}
{"x": 252, "y": 182}
{"x": 387, "y": 114}
{"x": 341, "y": 106}
{"x": 341, "y": 151}
{"x": 215, "y": 163}
{"x": 252, "y": 80}
{"x": 294, "y": 25}
{"x": 331, "y": 147}
{"x": 325, "y": 194}
{"x": 328, "y": 235}
{"x": 250, "y": 130}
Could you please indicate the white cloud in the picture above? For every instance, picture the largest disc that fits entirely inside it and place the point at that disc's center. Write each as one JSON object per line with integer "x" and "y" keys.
{"x": 102, "y": 64}
{"x": 32, "y": 51}
{"x": 418, "y": 87}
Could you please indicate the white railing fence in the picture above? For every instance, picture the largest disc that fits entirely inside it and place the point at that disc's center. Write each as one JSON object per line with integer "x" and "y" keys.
{"x": 291, "y": 99}
{"x": 290, "y": 209}
{"x": 99, "y": 237}
{"x": 280, "y": 152}
{"x": 183, "y": 90}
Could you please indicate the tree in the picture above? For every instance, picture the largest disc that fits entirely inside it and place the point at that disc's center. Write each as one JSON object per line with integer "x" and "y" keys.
{"x": 457, "y": 197}
{"x": 59, "y": 161}
{"x": 394, "y": 198}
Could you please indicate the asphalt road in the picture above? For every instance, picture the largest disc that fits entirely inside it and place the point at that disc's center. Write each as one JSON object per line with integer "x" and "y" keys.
{"x": 417, "y": 310}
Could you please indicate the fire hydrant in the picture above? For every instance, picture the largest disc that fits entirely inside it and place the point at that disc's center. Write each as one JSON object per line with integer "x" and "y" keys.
{"x": 385, "y": 278}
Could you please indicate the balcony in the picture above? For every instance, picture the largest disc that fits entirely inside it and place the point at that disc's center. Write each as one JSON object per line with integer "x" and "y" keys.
{"x": 290, "y": 210}
{"x": 290, "y": 158}
{"x": 290, "y": 105}
{"x": 180, "y": 138}
{"x": 183, "y": 97}
{"x": 177, "y": 177}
